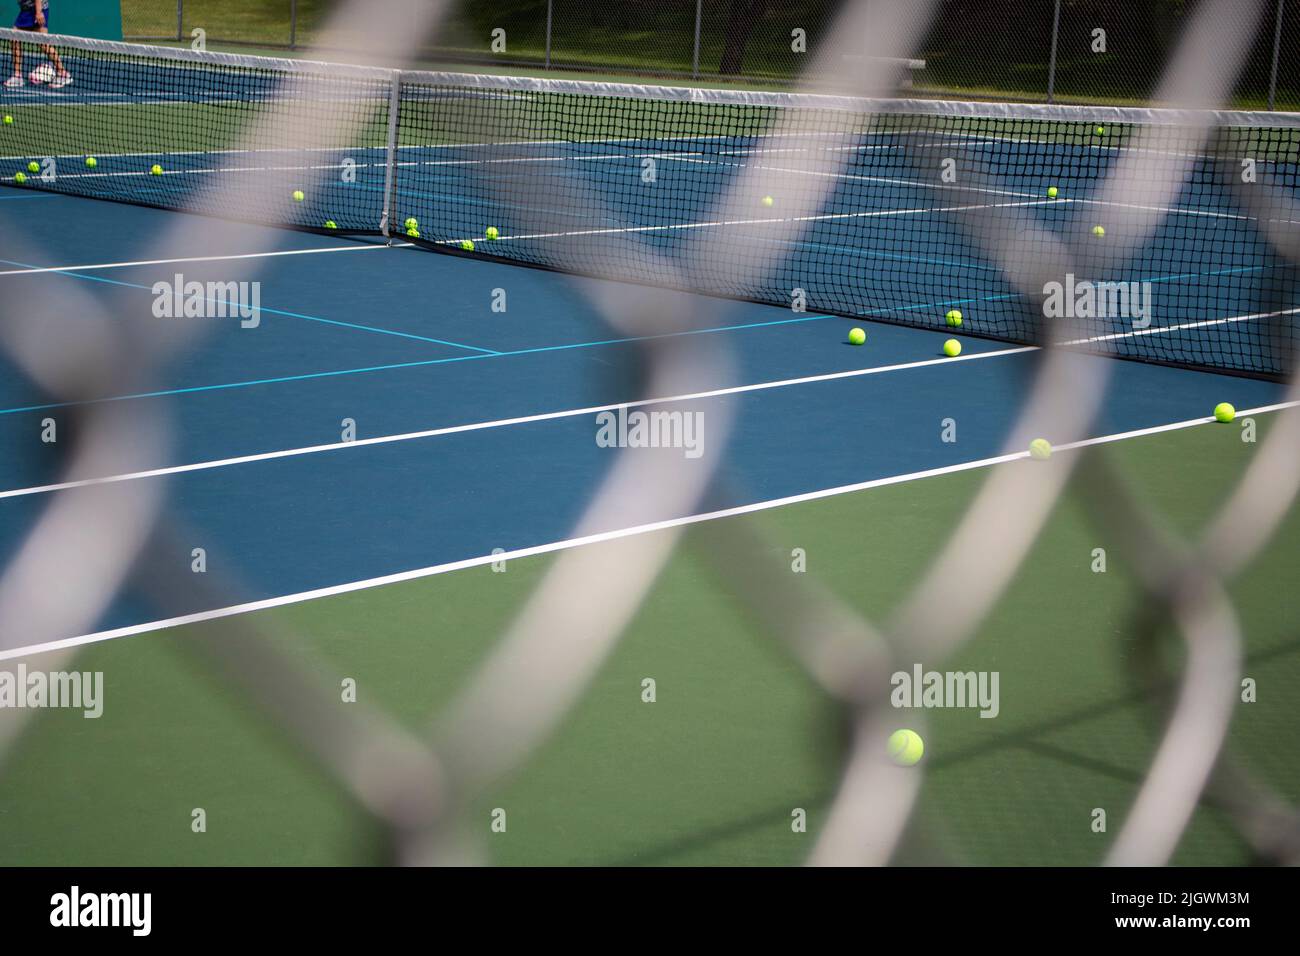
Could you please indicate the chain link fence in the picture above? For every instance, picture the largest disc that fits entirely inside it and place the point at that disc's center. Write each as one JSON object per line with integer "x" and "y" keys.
{"x": 1082, "y": 51}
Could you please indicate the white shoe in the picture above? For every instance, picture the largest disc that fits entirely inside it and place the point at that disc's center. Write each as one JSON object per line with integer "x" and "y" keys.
{"x": 15, "y": 82}
{"x": 60, "y": 81}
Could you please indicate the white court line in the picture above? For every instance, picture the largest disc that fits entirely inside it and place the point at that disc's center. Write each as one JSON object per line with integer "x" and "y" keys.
{"x": 554, "y": 546}
{"x": 163, "y": 262}
{"x": 499, "y": 423}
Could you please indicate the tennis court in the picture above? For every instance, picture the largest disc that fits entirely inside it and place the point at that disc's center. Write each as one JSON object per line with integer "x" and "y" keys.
{"x": 387, "y": 461}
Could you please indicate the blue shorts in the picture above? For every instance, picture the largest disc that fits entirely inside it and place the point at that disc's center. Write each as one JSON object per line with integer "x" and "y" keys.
{"x": 27, "y": 20}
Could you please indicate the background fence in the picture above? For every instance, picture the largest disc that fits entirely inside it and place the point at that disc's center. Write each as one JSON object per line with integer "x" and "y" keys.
{"x": 1088, "y": 51}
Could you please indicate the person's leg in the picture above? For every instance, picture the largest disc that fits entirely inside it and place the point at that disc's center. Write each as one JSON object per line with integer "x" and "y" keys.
{"x": 17, "y": 78}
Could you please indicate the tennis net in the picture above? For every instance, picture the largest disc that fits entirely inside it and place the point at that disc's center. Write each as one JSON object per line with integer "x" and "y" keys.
{"x": 893, "y": 210}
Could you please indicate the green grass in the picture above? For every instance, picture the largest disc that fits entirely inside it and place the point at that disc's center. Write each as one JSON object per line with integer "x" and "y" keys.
{"x": 739, "y": 736}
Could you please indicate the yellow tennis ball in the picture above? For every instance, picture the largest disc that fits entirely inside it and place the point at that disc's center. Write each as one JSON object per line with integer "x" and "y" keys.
{"x": 953, "y": 317}
{"x": 769, "y": 202}
{"x": 467, "y": 245}
{"x": 492, "y": 232}
{"x": 413, "y": 232}
{"x": 156, "y": 170}
{"x": 20, "y": 178}
{"x": 92, "y": 162}
{"x": 1224, "y": 412}
{"x": 9, "y": 120}
{"x": 1099, "y": 231}
{"x": 1101, "y": 131}
{"x": 1041, "y": 449}
{"x": 299, "y": 195}
{"x": 33, "y": 167}
{"x": 906, "y": 747}
{"x": 857, "y": 336}
{"x": 952, "y": 348}
{"x": 1051, "y": 192}
{"x": 412, "y": 223}
{"x": 331, "y": 224}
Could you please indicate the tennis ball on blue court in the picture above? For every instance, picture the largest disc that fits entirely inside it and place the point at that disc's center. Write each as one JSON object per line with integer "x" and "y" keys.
{"x": 155, "y": 170}
{"x": 92, "y": 162}
{"x": 331, "y": 224}
{"x": 1051, "y": 192}
{"x": 20, "y": 178}
{"x": 411, "y": 223}
{"x": 467, "y": 245}
{"x": 906, "y": 747}
{"x": 492, "y": 232}
{"x": 33, "y": 167}
{"x": 857, "y": 336}
{"x": 299, "y": 195}
{"x": 952, "y": 348}
{"x": 413, "y": 232}
{"x": 769, "y": 202}
{"x": 1041, "y": 449}
{"x": 1224, "y": 412}
{"x": 1099, "y": 231}
{"x": 953, "y": 317}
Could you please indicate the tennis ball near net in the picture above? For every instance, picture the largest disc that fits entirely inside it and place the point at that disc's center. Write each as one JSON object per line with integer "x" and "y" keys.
{"x": 299, "y": 195}
{"x": 20, "y": 178}
{"x": 906, "y": 747}
{"x": 413, "y": 232}
{"x": 492, "y": 232}
{"x": 952, "y": 348}
{"x": 1224, "y": 412}
{"x": 1040, "y": 449}
{"x": 953, "y": 317}
{"x": 155, "y": 170}
{"x": 92, "y": 162}
{"x": 1101, "y": 131}
{"x": 467, "y": 245}
{"x": 411, "y": 223}
{"x": 331, "y": 224}
{"x": 1052, "y": 192}
{"x": 9, "y": 120}
{"x": 857, "y": 336}
{"x": 33, "y": 167}
{"x": 769, "y": 202}
{"x": 1099, "y": 231}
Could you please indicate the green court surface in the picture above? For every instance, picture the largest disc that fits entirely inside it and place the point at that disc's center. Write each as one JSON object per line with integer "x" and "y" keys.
{"x": 738, "y": 737}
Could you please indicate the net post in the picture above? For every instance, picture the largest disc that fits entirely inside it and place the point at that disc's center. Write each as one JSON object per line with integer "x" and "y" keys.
{"x": 549, "y": 5}
{"x": 293, "y": 24}
{"x": 1277, "y": 49}
{"x": 1051, "y": 62}
{"x": 390, "y": 155}
{"x": 695, "y": 59}
{"x": 180, "y": 20}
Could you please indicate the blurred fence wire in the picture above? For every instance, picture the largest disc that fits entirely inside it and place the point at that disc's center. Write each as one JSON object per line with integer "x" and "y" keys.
{"x": 415, "y": 784}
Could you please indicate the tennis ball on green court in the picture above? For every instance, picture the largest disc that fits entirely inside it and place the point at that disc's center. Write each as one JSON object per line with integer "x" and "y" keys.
{"x": 92, "y": 162}
{"x": 9, "y": 120}
{"x": 769, "y": 201}
{"x": 952, "y": 348}
{"x": 1051, "y": 192}
{"x": 1040, "y": 448}
{"x": 299, "y": 195}
{"x": 467, "y": 245}
{"x": 20, "y": 178}
{"x": 1099, "y": 231}
{"x": 857, "y": 336}
{"x": 331, "y": 224}
{"x": 155, "y": 170}
{"x": 1101, "y": 131}
{"x": 33, "y": 167}
{"x": 906, "y": 747}
{"x": 412, "y": 223}
{"x": 953, "y": 317}
{"x": 492, "y": 232}
{"x": 1223, "y": 412}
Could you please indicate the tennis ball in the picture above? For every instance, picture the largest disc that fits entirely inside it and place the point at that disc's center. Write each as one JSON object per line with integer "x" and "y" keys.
{"x": 467, "y": 245}
{"x": 331, "y": 224}
{"x": 906, "y": 747}
{"x": 1101, "y": 131}
{"x": 413, "y": 232}
{"x": 953, "y": 317}
{"x": 1041, "y": 449}
{"x": 156, "y": 170}
{"x": 9, "y": 120}
{"x": 1223, "y": 412}
{"x": 412, "y": 223}
{"x": 20, "y": 178}
{"x": 857, "y": 336}
{"x": 769, "y": 202}
{"x": 1099, "y": 231}
{"x": 33, "y": 167}
{"x": 492, "y": 232}
{"x": 952, "y": 348}
{"x": 1051, "y": 192}
{"x": 299, "y": 195}
{"x": 92, "y": 162}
